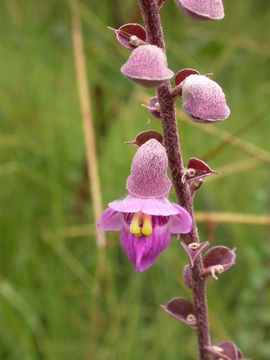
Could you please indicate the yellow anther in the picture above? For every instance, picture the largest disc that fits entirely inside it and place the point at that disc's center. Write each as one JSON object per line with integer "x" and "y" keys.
{"x": 147, "y": 225}
{"x": 135, "y": 224}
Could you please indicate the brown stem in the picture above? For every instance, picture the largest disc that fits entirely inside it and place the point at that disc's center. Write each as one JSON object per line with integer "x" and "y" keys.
{"x": 150, "y": 13}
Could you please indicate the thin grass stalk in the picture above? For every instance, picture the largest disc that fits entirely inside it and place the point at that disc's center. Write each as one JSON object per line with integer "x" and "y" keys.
{"x": 89, "y": 133}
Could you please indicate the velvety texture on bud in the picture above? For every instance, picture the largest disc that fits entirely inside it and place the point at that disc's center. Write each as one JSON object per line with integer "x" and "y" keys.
{"x": 203, "y": 99}
{"x": 153, "y": 107}
{"x": 144, "y": 136}
{"x": 182, "y": 310}
{"x": 147, "y": 66}
{"x": 202, "y": 9}
{"x": 145, "y": 217}
{"x": 148, "y": 176}
{"x": 193, "y": 250}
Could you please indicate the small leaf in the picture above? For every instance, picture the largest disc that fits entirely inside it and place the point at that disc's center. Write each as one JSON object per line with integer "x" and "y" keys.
{"x": 128, "y": 32}
{"x": 196, "y": 169}
{"x": 144, "y": 136}
{"x": 182, "y": 310}
{"x": 182, "y": 74}
{"x": 153, "y": 107}
{"x": 217, "y": 260}
{"x": 193, "y": 250}
{"x": 226, "y": 350}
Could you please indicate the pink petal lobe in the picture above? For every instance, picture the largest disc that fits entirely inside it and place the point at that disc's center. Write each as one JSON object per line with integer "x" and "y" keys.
{"x": 182, "y": 222}
{"x": 152, "y": 206}
{"x": 110, "y": 220}
{"x": 143, "y": 251}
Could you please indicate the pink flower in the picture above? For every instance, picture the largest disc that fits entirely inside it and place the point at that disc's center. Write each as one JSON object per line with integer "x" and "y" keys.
{"x": 146, "y": 217}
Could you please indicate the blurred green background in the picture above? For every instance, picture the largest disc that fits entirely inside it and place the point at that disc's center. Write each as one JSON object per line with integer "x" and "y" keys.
{"x": 60, "y": 298}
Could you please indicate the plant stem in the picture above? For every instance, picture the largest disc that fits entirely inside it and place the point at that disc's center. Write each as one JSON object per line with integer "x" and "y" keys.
{"x": 150, "y": 13}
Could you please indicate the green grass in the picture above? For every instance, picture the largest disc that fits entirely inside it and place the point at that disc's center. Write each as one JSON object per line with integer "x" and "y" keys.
{"x": 53, "y": 303}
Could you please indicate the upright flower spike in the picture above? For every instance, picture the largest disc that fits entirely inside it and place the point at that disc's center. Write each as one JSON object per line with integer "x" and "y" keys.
{"x": 202, "y": 9}
{"x": 146, "y": 217}
{"x": 147, "y": 66}
{"x": 203, "y": 99}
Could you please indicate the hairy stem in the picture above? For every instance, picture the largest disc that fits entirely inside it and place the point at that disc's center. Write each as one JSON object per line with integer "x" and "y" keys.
{"x": 150, "y": 13}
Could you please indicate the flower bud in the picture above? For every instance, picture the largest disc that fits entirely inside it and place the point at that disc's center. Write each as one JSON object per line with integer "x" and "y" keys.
{"x": 147, "y": 66}
{"x": 203, "y": 99}
{"x": 182, "y": 310}
{"x": 201, "y": 9}
{"x": 148, "y": 176}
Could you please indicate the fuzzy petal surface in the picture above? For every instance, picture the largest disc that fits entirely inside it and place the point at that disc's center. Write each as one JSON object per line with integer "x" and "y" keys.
{"x": 202, "y": 9}
{"x": 110, "y": 220}
{"x": 147, "y": 65}
{"x": 148, "y": 177}
{"x": 204, "y": 100}
{"x": 152, "y": 206}
{"x": 182, "y": 222}
{"x": 143, "y": 251}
